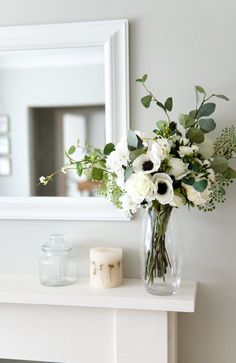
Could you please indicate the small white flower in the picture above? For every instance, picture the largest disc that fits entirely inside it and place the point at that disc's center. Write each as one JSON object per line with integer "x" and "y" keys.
{"x": 128, "y": 204}
{"x": 43, "y": 180}
{"x": 120, "y": 178}
{"x": 64, "y": 170}
{"x": 118, "y": 157}
{"x": 196, "y": 197}
{"x": 178, "y": 201}
{"x": 184, "y": 141}
{"x": 163, "y": 188}
{"x": 139, "y": 186}
{"x": 177, "y": 168}
{"x": 186, "y": 150}
{"x": 211, "y": 175}
{"x": 146, "y": 164}
{"x": 206, "y": 148}
{"x": 113, "y": 162}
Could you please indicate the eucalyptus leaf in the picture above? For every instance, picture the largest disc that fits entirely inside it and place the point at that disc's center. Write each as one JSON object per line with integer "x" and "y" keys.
{"x": 193, "y": 114}
{"x": 219, "y": 164}
{"x": 207, "y": 124}
{"x": 222, "y": 97}
{"x": 200, "y": 185}
{"x": 206, "y": 110}
{"x": 169, "y": 104}
{"x": 199, "y": 89}
{"x": 195, "y": 135}
{"x": 79, "y": 168}
{"x": 135, "y": 153}
{"x": 186, "y": 120}
{"x": 71, "y": 150}
{"x": 128, "y": 172}
{"x": 108, "y": 148}
{"x": 97, "y": 174}
{"x": 189, "y": 181}
{"x": 132, "y": 140}
{"x": 230, "y": 173}
{"x": 146, "y": 100}
{"x": 143, "y": 79}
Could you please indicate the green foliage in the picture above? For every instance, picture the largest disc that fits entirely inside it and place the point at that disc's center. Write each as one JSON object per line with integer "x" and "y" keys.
{"x": 143, "y": 79}
{"x": 225, "y": 144}
{"x": 110, "y": 190}
{"x": 79, "y": 168}
{"x": 222, "y": 97}
{"x": 71, "y": 150}
{"x": 229, "y": 173}
{"x": 219, "y": 164}
{"x": 97, "y": 174}
{"x": 135, "y": 153}
{"x": 200, "y": 185}
{"x": 207, "y": 124}
{"x": 186, "y": 120}
{"x": 195, "y": 135}
{"x": 199, "y": 89}
{"x": 206, "y": 109}
{"x": 108, "y": 148}
{"x": 162, "y": 125}
{"x": 169, "y": 104}
{"x": 146, "y": 101}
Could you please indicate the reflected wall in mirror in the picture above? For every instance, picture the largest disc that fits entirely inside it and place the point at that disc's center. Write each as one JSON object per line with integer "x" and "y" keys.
{"x": 58, "y": 83}
{"x": 53, "y": 97}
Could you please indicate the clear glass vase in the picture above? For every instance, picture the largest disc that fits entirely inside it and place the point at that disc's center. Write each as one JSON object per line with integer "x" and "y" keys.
{"x": 160, "y": 252}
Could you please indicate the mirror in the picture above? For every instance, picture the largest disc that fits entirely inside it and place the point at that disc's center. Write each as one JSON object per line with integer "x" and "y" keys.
{"x": 59, "y": 83}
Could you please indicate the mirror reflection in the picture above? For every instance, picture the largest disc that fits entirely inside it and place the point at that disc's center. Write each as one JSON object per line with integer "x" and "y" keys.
{"x": 50, "y": 98}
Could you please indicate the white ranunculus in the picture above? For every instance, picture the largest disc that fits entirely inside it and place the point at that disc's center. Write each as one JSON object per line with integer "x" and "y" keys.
{"x": 159, "y": 148}
{"x": 177, "y": 168}
{"x": 113, "y": 162}
{"x": 128, "y": 204}
{"x": 185, "y": 150}
{"x": 163, "y": 188}
{"x": 206, "y": 148}
{"x": 178, "y": 201}
{"x": 196, "y": 197}
{"x": 184, "y": 141}
{"x": 146, "y": 164}
{"x": 139, "y": 186}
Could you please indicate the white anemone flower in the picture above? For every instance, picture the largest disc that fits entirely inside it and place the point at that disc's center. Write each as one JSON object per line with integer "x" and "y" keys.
{"x": 163, "y": 188}
{"x": 146, "y": 163}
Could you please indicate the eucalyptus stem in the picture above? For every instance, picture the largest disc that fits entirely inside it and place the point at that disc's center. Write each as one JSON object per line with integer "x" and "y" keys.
{"x": 156, "y": 100}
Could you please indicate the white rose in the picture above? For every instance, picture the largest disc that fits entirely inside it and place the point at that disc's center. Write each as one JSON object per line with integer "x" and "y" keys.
{"x": 163, "y": 188}
{"x": 196, "y": 197}
{"x": 139, "y": 186}
{"x": 206, "y": 148}
{"x": 185, "y": 150}
{"x": 178, "y": 201}
{"x": 177, "y": 167}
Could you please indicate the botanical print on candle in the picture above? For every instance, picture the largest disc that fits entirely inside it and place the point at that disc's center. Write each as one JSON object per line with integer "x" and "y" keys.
{"x": 106, "y": 268}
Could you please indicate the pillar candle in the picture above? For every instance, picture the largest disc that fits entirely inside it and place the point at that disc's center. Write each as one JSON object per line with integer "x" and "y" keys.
{"x": 106, "y": 267}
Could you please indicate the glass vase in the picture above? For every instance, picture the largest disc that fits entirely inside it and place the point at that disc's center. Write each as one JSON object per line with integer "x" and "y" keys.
{"x": 160, "y": 253}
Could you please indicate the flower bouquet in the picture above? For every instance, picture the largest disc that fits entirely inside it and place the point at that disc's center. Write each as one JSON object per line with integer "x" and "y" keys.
{"x": 178, "y": 165}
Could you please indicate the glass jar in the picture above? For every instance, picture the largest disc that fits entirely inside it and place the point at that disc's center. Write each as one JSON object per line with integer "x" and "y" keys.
{"x": 57, "y": 265}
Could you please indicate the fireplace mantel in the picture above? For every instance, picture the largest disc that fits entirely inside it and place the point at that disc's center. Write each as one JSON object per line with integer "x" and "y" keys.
{"x": 77, "y": 323}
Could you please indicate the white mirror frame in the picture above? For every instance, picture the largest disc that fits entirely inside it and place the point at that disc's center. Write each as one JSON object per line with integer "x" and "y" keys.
{"x": 113, "y": 36}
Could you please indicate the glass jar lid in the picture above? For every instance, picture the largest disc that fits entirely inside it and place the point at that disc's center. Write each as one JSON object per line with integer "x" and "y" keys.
{"x": 56, "y": 244}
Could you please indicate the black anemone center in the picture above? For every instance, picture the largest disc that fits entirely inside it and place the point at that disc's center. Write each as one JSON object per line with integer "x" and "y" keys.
{"x": 162, "y": 188}
{"x": 148, "y": 165}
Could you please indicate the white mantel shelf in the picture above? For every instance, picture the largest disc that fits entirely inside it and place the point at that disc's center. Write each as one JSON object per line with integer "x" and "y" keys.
{"x": 26, "y": 289}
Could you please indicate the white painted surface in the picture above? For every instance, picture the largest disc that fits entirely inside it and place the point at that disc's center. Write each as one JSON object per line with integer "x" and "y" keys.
{"x": 26, "y": 289}
{"x": 178, "y": 43}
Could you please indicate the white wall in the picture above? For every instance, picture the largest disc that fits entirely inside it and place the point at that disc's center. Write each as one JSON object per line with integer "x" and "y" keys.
{"x": 179, "y": 44}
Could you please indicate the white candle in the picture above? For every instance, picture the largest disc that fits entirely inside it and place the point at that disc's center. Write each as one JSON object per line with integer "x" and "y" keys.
{"x": 106, "y": 267}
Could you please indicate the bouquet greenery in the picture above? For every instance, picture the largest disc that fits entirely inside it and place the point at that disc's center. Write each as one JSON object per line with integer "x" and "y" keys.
{"x": 178, "y": 165}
